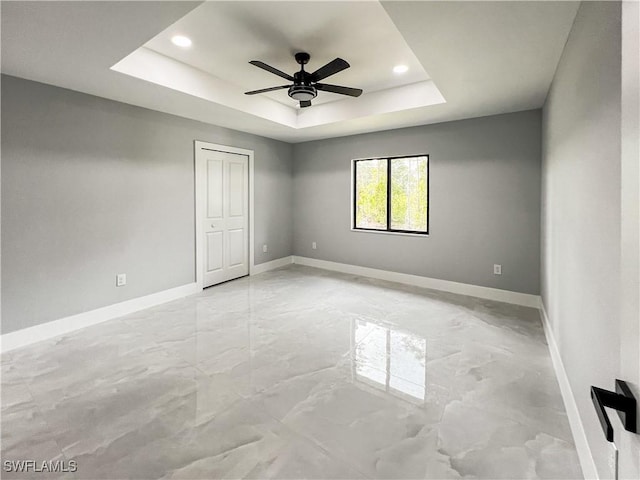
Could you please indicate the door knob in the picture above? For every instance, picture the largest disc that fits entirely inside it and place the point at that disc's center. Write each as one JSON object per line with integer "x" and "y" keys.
{"x": 621, "y": 400}
{"x": 213, "y": 226}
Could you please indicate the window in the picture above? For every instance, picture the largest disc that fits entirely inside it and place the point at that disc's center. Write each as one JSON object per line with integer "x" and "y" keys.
{"x": 391, "y": 194}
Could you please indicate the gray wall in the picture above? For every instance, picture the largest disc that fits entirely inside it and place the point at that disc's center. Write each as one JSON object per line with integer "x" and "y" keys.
{"x": 484, "y": 201}
{"x": 581, "y": 209}
{"x": 92, "y": 187}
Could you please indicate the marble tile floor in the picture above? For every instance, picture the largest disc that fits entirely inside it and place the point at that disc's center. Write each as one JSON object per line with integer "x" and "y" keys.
{"x": 294, "y": 373}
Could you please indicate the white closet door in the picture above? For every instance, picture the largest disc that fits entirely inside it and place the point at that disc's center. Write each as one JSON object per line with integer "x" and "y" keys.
{"x": 225, "y": 219}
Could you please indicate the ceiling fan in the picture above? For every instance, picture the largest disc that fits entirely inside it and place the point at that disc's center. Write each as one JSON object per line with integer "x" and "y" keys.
{"x": 305, "y": 85}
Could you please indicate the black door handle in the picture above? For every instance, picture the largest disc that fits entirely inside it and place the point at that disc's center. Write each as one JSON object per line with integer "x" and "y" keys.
{"x": 621, "y": 400}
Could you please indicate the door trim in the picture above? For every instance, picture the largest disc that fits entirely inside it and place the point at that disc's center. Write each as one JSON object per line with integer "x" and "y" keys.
{"x": 199, "y": 201}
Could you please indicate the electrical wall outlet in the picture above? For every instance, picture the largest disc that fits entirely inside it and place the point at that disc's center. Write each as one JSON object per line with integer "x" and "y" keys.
{"x": 497, "y": 269}
{"x": 121, "y": 279}
{"x": 264, "y": 248}
{"x": 313, "y": 245}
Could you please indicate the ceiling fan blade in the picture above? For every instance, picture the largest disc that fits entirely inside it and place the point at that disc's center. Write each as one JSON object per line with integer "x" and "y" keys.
{"x": 331, "y": 68}
{"x": 352, "y": 92}
{"x": 305, "y": 103}
{"x": 271, "y": 69}
{"x": 263, "y": 90}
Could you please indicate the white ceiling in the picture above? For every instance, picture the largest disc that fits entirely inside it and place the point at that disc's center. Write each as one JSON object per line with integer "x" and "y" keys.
{"x": 226, "y": 35}
{"x": 326, "y": 29}
{"x": 484, "y": 57}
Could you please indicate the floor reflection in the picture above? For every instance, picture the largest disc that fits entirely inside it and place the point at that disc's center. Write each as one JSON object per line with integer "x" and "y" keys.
{"x": 390, "y": 360}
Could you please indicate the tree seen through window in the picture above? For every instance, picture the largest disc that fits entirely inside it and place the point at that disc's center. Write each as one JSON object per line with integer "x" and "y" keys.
{"x": 391, "y": 194}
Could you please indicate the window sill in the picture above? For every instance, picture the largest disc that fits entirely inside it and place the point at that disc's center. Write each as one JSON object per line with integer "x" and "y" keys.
{"x": 403, "y": 234}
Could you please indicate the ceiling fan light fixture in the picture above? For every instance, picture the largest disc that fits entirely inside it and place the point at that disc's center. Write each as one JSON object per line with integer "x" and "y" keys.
{"x": 302, "y": 92}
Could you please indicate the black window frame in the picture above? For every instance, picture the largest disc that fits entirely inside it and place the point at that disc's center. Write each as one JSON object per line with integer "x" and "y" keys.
{"x": 354, "y": 190}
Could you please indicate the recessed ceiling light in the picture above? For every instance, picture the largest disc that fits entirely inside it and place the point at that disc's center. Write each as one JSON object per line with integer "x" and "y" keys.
{"x": 181, "y": 41}
{"x": 400, "y": 69}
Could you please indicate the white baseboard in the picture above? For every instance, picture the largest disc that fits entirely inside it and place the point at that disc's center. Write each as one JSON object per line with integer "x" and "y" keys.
{"x": 45, "y": 331}
{"x": 506, "y": 296}
{"x": 273, "y": 264}
{"x": 577, "y": 429}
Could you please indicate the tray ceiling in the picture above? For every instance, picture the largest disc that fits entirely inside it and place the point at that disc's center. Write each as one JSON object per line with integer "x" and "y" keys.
{"x": 465, "y": 59}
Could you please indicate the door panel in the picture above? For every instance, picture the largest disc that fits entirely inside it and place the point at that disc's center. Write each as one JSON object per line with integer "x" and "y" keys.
{"x": 215, "y": 253}
{"x": 236, "y": 247}
{"x": 629, "y": 443}
{"x": 215, "y": 190}
{"x": 225, "y": 215}
{"x": 237, "y": 194}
